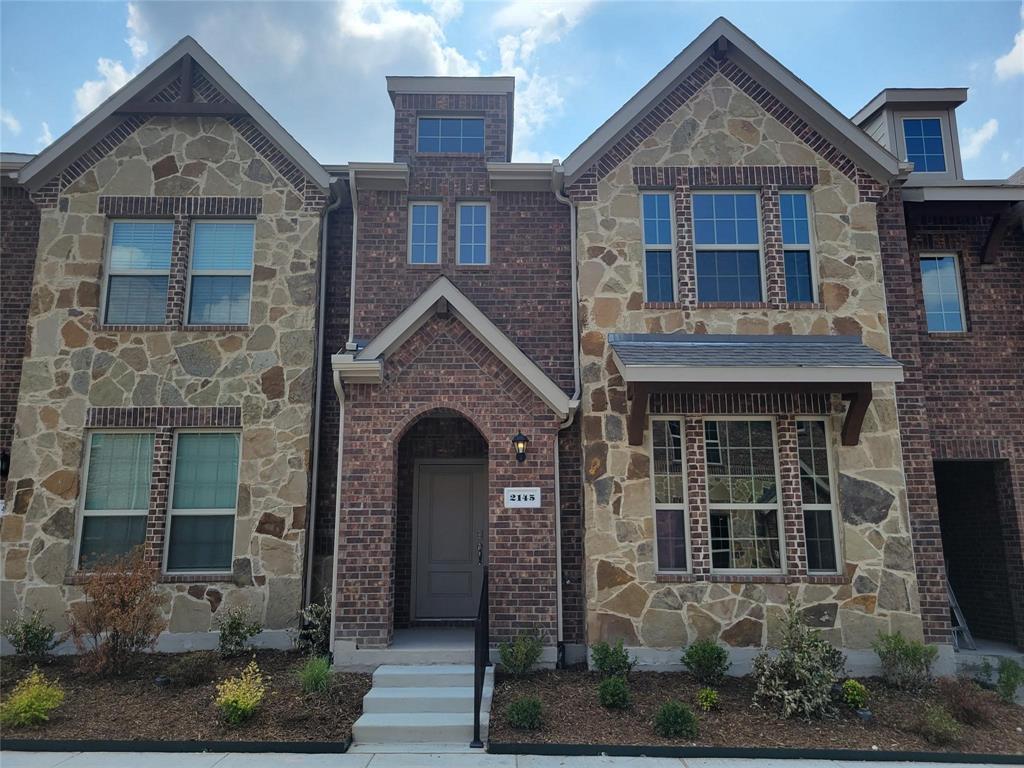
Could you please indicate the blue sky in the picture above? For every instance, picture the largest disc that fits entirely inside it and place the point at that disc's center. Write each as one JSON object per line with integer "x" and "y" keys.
{"x": 319, "y": 68}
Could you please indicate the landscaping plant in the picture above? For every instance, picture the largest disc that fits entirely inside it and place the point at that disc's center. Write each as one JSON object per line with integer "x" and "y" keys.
{"x": 192, "y": 669}
{"x": 611, "y": 660}
{"x": 707, "y": 661}
{"x": 236, "y": 629}
{"x": 238, "y": 697}
{"x": 120, "y": 615}
{"x": 314, "y": 637}
{"x": 613, "y": 692}
{"x": 965, "y": 700}
{"x": 855, "y": 695}
{"x": 1010, "y": 678}
{"x": 938, "y": 727}
{"x": 707, "y": 699}
{"x": 799, "y": 680}
{"x": 315, "y": 674}
{"x": 31, "y": 701}
{"x": 524, "y": 714}
{"x": 675, "y": 720}
{"x": 906, "y": 664}
{"x": 30, "y": 635}
{"x": 519, "y": 656}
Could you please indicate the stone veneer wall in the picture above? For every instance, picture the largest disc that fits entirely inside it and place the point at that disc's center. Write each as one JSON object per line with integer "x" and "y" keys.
{"x": 714, "y": 132}
{"x": 78, "y": 373}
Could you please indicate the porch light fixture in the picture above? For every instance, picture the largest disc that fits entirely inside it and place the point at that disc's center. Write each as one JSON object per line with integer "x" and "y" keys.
{"x": 520, "y": 441}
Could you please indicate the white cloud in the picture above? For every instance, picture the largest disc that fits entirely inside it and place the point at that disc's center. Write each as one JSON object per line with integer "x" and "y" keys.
{"x": 136, "y": 33}
{"x": 445, "y": 10}
{"x": 92, "y": 93}
{"x": 45, "y": 138}
{"x": 1012, "y": 63}
{"x": 10, "y": 122}
{"x": 976, "y": 139}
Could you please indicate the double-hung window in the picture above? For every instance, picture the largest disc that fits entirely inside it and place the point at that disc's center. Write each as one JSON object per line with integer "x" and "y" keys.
{"x": 659, "y": 273}
{"x": 727, "y": 237}
{"x": 474, "y": 233}
{"x": 116, "y": 499}
{"x": 425, "y": 233}
{"x": 943, "y": 299}
{"x": 796, "y": 244}
{"x": 204, "y": 493}
{"x": 138, "y": 265}
{"x": 221, "y": 273}
{"x": 743, "y": 496}
{"x": 669, "y": 481}
{"x": 450, "y": 134}
{"x": 922, "y": 138}
{"x": 816, "y": 495}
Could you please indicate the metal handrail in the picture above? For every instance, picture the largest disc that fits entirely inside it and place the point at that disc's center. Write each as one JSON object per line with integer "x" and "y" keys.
{"x": 481, "y": 658}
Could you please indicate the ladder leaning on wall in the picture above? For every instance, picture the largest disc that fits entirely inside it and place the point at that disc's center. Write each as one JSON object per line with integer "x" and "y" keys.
{"x": 961, "y": 632}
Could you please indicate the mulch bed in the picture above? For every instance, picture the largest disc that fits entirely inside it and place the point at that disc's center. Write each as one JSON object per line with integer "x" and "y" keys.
{"x": 573, "y": 715}
{"x": 134, "y": 708}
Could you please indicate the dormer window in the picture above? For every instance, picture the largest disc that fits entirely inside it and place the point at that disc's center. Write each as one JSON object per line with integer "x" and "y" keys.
{"x": 450, "y": 134}
{"x": 922, "y": 137}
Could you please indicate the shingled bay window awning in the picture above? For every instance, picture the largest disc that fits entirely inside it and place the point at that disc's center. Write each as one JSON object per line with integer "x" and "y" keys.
{"x": 661, "y": 362}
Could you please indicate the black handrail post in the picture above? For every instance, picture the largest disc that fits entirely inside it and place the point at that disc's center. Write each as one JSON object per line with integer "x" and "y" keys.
{"x": 481, "y": 657}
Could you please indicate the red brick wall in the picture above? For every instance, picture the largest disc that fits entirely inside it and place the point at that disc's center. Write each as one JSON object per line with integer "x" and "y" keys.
{"x": 570, "y": 480}
{"x": 493, "y": 108}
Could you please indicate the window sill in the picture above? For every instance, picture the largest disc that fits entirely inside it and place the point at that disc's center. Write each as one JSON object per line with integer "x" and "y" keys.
{"x": 804, "y": 305}
{"x": 121, "y": 328}
{"x": 662, "y": 305}
{"x": 168, "y": 328}
{"x": 227, "y": 327}
{"x": 735, "y": 305}
{"x": 748, "y": 578}
{"x": 223, "y": 577}
{"x": 948, "y": 335}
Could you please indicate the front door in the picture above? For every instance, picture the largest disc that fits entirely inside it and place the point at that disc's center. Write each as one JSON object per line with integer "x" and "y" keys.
{"x": 450, "y": 517}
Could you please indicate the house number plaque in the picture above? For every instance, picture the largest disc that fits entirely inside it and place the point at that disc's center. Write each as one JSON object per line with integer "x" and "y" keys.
{"x": 517, "y": 498}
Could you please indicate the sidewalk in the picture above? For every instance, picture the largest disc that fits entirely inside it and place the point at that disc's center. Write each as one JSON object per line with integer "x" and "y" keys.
{"x": 406, "y": 760}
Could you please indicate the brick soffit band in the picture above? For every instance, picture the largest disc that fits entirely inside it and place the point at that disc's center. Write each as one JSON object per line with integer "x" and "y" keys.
{"x": 163, "y": 416}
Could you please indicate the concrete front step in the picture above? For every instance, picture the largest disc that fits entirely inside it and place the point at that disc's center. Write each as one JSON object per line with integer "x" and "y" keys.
{"x": 422, "y": 699}
{"x": 417, "y": 727}
{"x": 427, "y": 676}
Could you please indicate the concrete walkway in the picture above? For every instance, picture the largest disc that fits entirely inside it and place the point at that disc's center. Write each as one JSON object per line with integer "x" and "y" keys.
{"x": 404, "y": 760}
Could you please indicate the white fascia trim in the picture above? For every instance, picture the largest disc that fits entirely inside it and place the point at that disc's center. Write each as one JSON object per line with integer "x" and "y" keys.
{"x": 416, "y": 314}
{"x": 520, "y": 177}
{"x": 357, "y": 371}
{"x": 393, "y": 176}
{"x": 963, "y": 193}
{"x": 889, "y": 97}
{"x": 501, "y": 85}
{"x": 103, "y": 116}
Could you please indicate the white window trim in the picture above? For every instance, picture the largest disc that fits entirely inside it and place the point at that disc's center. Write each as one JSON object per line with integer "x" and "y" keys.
{"x": 778, "y": 502}
{"x": 833, "y": 494}
{"x": 208, "y": 512}
{"x": 447, "y": 116}
{"x": 216, "y": 272}
{"x": 108, "y": 268}
{"x": 685, "y": 506}
{"x": 82, "y": 511}
{"x": 458, "y": 232}
{"x": 671, "y": 247}
{"x": 959, "y": 288}
{"x": 947, "y": 144}
{"x": 811, "y": 237}
{"x": 733, "y": 246}
{"x": 440, "y": 213}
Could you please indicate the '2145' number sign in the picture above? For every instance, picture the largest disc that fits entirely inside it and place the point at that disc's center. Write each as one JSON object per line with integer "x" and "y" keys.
{"x": 517, "y": 498}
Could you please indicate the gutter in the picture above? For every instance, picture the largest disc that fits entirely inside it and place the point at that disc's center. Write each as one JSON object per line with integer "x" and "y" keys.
{"x": 337, "y": 506}
{"x": 350, "y": 344}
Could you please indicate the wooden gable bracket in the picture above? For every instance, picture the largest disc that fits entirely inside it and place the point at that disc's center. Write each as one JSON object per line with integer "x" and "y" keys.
{"x": 859, "y": 398}
{"x": 636, "y": 419}
{"x": 184, "y": 105}
{"x": 1001, "y": 224}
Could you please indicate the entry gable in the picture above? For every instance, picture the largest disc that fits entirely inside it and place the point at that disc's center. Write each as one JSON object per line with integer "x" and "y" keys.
{"x": 366, "y": 365}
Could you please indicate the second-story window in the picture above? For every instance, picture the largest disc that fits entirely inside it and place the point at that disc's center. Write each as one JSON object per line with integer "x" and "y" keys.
{"x": 659, "y": 274}
{"x": 943, "y": 301}
{"x": 473, "y": 234}
{"x": 923, "y": 140}
{"x": 138, "y": 265}
{"x": 221, "y": 273}
{"x": 424, "y": 233}
{"x": 450, "y": 134}
{"x": 796, "y": 241}
{"x": 727, "y": 236}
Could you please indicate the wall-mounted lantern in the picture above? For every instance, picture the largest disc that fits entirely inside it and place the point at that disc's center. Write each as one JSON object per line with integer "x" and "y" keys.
{"x": 520, "y": 441}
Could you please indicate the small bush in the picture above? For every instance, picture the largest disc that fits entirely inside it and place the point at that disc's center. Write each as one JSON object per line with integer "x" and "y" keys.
{"x": 906, "y": 664}
{"x": 675, "y": 720}
{"x": 236, "y": 628}
{"x": 611, "y": 660}
{"x": 519, "y": 656}
{"x": 314, "y": 638}
{"x": 315, "y": 674}
{"x": 120, "y": 615}
{"x": 964, "y": 700}
{"x": 31, "y": 701}
{"x": 938, "y": 726}
{"x": 799, "y": 680}
{"x": 707, "y": 661}
{"x": 192, "y": 669}
{"x": 30, "y": 635}
{"x": 855, "y": 695}
{"x": 1010, "y": 678}
{"x": 238, "y": 697}
{"x": 524, "y": 714}
{"x": 707, "y": 699}
{"x": 613, "y": 693}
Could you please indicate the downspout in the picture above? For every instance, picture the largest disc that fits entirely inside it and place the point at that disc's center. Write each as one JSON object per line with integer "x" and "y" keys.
{"x": 337, "y": 505}
{"x": 317, "y": 364}
{"x": 351, "y": 345}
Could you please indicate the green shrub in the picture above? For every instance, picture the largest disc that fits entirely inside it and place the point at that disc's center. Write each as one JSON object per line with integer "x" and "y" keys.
{"x": 675, "y": 720}
{"x": 965, "y": 700}
{"x": 906, "y": 664}
{"x": 855, "y": 695}
{"x": 519, "y": 656}
{"x": 613, "y": 693}
{"x": 799, "y": 680}
{"x": 938, "y": 726}
{"x": 315, "y": 674}
{"x": 238, "y": 697}
{"x": 707, "y": 661}
{"x": 30, "y": 635}
{"x": 524, "y": 714}
{"x": 192, "y": 669}
{"x": 31, "y": 701}
{"x": 611, "y": 660}
{"x": 1010, "y": 678}
{"x": 707, "y": 699}
{"x": 236, "y": 628}
{"x": 314, "y": 634}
